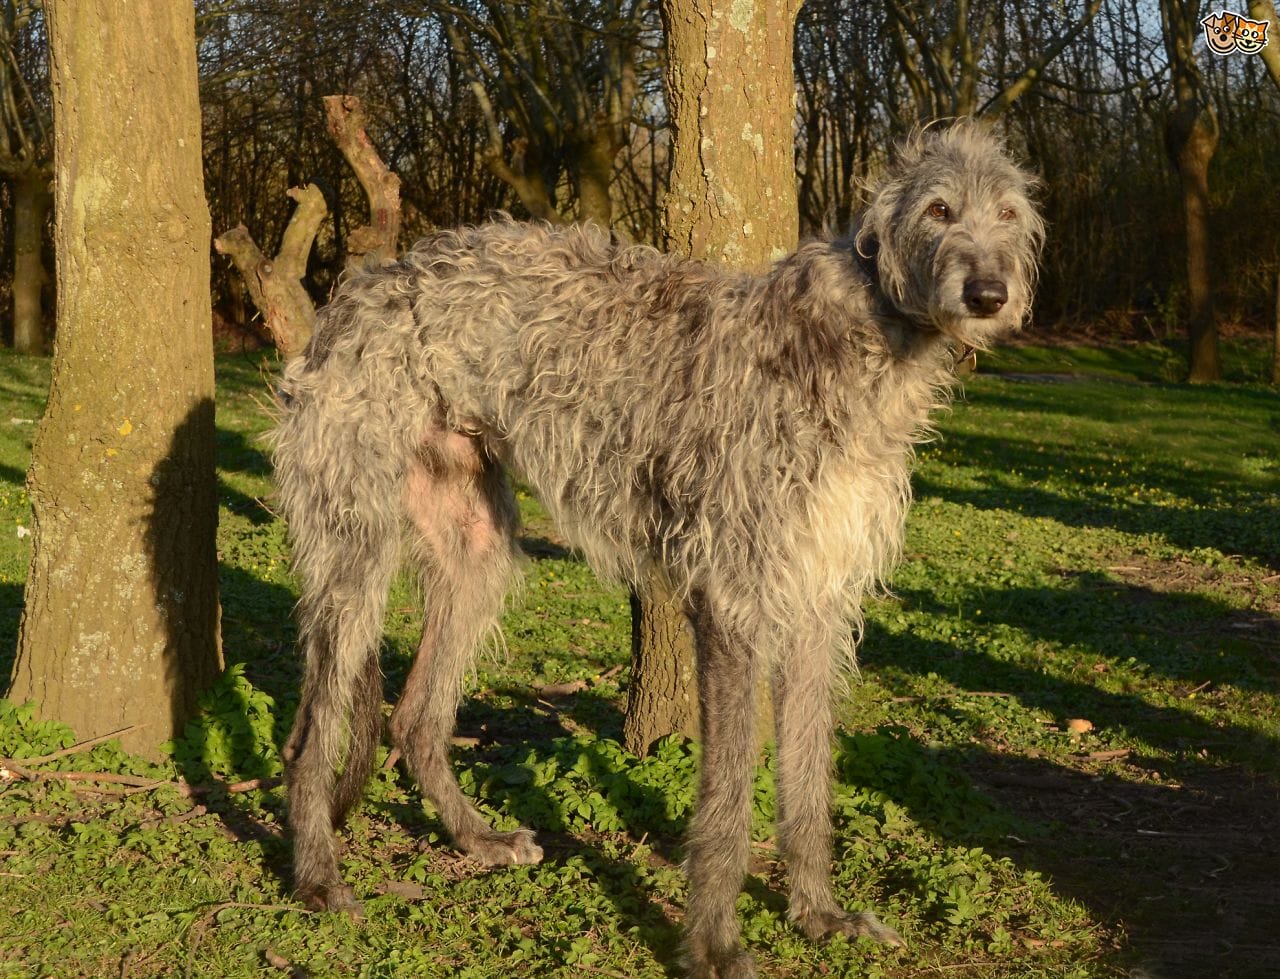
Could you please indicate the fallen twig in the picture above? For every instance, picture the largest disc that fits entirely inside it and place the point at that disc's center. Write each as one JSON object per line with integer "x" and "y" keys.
{"x": 281, "y": 964}
{"x": 1108, "y": 755}
{"x": 577, "y": 686}
{"x": 562, "y": 689}
{"x": 957, "y": 693}
{"x": 195, "y": 812}
{"x": 248, "y": 785}
{"x": 139, "y": 783}
{"x": 75, "y": 748}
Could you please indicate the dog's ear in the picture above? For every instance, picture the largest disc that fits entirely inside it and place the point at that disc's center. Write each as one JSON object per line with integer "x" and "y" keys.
{"x": 865, "y": 241}
{"x": 873, "y": 238}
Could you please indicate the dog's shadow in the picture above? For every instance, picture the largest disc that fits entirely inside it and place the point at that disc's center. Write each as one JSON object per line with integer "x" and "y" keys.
{"x": 506, "y": 738}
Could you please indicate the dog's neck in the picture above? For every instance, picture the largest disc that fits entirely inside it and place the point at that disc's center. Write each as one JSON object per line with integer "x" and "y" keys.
{"x": 908, "y": 338}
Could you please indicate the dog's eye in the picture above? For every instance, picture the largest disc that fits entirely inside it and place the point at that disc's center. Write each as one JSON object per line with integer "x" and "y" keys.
{"x": 1007, "y": 214}
{"x": 939, "y": 210}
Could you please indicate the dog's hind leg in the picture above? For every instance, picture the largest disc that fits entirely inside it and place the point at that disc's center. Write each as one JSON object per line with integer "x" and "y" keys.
{"x": 346, "y": 571}
{"x": 363, "y": 738}
{"x": 464, "y": 517}
{"x": 802, "y": 713}
{"x": 718, "y": 845}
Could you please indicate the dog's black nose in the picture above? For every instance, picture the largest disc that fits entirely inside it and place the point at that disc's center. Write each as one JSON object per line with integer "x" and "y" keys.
{"x": 985, "y": 297}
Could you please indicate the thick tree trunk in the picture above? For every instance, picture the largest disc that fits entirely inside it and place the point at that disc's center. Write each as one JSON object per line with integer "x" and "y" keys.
{"x": 31, "y": 201}
{"x": 1192, "y": 136}
{"x": 1275, "y": 345}
{"x": 1270, "y": 54}
{"x": 1197, "y": 142}
{"x": 595, "y": 179}
{"x": 731, "y": 93}
{"x": 662, "y": 697}
{"x": 121, "y": 620}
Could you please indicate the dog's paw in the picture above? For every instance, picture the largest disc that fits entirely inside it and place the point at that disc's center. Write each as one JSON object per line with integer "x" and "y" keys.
{"x": 734, "y": 964}
{"x": 502, "y": 849}
{"x": 331, "y": 897}
{"x": 821, "y": 925}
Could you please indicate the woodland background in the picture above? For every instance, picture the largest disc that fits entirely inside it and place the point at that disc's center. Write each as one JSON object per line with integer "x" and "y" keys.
{"x": 555, "y": 108}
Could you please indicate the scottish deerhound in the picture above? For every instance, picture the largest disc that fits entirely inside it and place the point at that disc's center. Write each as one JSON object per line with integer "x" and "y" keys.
{"x": 748, "y": 435}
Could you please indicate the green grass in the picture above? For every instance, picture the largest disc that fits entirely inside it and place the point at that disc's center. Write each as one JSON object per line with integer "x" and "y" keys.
{"x": 1103, "y": 549}
{"x": 1245, "y": 359}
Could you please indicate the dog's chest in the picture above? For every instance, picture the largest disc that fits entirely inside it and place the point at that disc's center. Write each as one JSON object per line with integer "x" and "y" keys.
{"x": 856, "y": 520}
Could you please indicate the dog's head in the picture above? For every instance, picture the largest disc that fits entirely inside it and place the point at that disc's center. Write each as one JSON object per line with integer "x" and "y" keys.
{"x": 954, "y": 233}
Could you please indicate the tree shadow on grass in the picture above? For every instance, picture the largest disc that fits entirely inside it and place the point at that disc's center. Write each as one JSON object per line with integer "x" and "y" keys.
{"x": 240, "y": 453}
{"x": 1040, "y": 472}
{"x": 244, "y": 722}
{"x": 1185, "y": 867}
{"x": 521, "y": 746}
{"x": 1183, "y": 636}
{"x": 1245, "y": 528}
{"x": 1179, "y": 731}
{"x": 1184, "y": 871}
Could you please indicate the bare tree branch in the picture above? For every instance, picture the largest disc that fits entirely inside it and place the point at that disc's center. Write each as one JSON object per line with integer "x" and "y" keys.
{"x": 379, "y": 239}
{"x": 275, "y": 285}
{"x": 1003, "y": 99}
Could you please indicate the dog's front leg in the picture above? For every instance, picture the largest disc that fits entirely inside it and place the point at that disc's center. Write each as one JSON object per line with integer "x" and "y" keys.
{"x": 802, "y": 682}
{"x": 719, "y": 839}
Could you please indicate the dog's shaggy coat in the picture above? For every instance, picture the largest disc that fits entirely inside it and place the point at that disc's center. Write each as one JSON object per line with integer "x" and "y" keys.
{"x": 750, "y": 435}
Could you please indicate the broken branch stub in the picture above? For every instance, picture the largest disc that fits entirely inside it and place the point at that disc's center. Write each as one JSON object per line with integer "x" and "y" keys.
{"x": 378, "y": 240}
{"x": 275, "y": 285}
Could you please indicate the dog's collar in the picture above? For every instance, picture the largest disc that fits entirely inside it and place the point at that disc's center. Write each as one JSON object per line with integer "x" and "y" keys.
{"x": 966, "y": 361}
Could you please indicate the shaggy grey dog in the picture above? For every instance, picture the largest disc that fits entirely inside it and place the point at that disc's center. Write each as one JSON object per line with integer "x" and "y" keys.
{"x": 750, "y": 435}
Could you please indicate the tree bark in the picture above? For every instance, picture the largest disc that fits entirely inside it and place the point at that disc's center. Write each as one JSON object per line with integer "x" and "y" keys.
{"x": 1275, "y": 339}
{"x": 120, "y": 626}
{"x": 662, "y": 697}
{"x": 31, "y": 202}
{"x": 731, "y": 93}
{"x": 1192, "y": 134}
{"x": 1270, "y": 54}
{"x": 1197, "y": 144}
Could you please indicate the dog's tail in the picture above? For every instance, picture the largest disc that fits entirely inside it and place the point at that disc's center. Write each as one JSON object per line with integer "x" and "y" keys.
{"x": 340, "y": 457}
